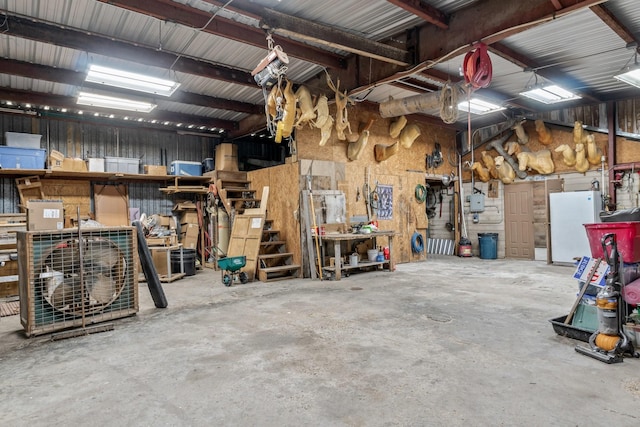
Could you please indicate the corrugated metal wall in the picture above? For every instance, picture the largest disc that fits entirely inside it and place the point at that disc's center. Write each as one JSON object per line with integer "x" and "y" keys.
{"x": 75, "y": 139}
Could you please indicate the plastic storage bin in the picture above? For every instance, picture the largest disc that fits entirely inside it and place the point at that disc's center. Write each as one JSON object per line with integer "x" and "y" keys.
{"x": 122, "y": 164}
{"x": 627, "y": 238}
{"x": 488, "y": 245}
{"x": 21, "y": 158}
{"x": 183, "y": 168}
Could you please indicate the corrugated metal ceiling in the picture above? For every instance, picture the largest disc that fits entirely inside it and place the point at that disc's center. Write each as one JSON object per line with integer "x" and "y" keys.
{"x": 580, "y": 45}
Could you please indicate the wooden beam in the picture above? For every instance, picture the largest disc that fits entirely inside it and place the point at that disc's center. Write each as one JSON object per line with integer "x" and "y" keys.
{"x": 614, "y": 23}
{"x": 557, "y": 4}
{"x": 424, "y": 11}
{"x": 60, "y": 101}
{"x": 167, "y": 10}
{"x": 75, "y": 78}
{"x": 312, "y": 32}
{"x": 489, "y": 21}
{"x": 87, "y": 42}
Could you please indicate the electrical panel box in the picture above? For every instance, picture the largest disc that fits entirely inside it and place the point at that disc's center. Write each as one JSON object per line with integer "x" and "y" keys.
{"x": 476, "y": 203}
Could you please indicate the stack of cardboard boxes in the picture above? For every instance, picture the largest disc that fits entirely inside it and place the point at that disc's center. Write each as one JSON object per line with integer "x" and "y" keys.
{"x": 189, "y": 229}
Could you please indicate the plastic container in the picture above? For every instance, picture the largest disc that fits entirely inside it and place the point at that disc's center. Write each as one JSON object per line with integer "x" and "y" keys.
{"x": 122, "y": 164}
{"x": 188, "y": 261}
{"x": 22, "y": 140}
{"x": 183, "y": 168}
{"x": 372, "y": 254}
{"x": 208, "y": 165}
{"x": 353, "y": 260}
{"x": 21, "y": 158}
{"x": 631, "y": 292}
{"x": 488, "y": 245}
{"x": 627, "y": 238}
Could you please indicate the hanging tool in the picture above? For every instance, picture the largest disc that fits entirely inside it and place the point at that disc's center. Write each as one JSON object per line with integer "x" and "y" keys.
{"x": 366, "y": 191}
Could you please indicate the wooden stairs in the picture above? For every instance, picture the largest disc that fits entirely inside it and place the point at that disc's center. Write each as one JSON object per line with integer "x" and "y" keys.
{"x": 234, "y": 190}
{"x": 274, "y": 262}
{"x": 236, "y": 195}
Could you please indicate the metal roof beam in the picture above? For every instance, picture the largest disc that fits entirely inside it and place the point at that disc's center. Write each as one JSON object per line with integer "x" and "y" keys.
{"x": 423, "y": 11}
{"x": 227, "y": 28}
{"x": 75, "y": 78}
{"x": 86, "y": 41}
{"x": 60, "y": 101}
{"x": 550, "y": 74}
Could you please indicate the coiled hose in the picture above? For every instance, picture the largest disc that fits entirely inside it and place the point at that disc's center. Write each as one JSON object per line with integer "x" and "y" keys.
{"x": 417, "y": 243}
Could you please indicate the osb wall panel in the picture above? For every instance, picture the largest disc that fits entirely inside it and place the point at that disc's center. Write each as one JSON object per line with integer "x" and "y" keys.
{"x": 73, "y": 193}
{"x": 282, "y": 206}
{"x": 627, "y": 151}
{"x": 403, "y": 171}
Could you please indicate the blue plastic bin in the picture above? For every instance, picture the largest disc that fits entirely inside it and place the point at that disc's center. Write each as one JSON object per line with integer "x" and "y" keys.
{"x": 21, "y": 158}
{"x": 184, "y": 168}
{"x": 488, "y": 245}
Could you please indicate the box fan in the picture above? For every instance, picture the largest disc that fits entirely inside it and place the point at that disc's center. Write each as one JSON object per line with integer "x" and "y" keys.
{"x": 71, "y": 279}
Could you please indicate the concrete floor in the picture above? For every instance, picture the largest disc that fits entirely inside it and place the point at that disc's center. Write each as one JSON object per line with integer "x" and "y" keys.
{"x": 445, "y": 342}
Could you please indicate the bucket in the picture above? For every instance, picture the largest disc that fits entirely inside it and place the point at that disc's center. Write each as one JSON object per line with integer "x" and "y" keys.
{"x": 188, "y": 261}
{"x": 488, "y": 245}
{"x": 372, "y": 254}
{"x": 353, "y": 260}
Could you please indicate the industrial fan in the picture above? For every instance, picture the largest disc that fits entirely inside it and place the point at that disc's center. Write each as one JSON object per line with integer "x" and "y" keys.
{"x": 76, "y": 278}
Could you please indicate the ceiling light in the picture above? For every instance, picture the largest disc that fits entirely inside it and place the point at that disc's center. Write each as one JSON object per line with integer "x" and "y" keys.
{"x": 111, "y": 116}
{"x": 46, "y": 107}
{"x": 630, "y": 74}
{"x": 479, "y": 106}
{"x": 166, "y": 123}
{"x": 64, "y": 110}
{"x": 549, "y": 94}
{"x": 81, "y": 112}
{"x": 132, "y": 81}
{"x": 27, "y": 105}
{"x": 96, "y": 114}
{"x": 95, "y": 100}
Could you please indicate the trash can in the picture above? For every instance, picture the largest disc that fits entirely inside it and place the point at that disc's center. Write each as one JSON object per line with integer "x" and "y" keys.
{"x": 488, "y": 245}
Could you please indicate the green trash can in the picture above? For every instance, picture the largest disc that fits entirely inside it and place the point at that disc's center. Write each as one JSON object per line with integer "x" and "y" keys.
{"x": 488, "y": 245}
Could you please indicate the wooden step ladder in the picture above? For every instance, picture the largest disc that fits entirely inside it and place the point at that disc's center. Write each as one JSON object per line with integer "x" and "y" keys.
{"x": 274, "y": 261}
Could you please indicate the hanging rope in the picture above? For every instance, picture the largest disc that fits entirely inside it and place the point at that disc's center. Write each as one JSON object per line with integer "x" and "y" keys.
{"x": 421, "y": 193}
{"x": 449, "y": 104}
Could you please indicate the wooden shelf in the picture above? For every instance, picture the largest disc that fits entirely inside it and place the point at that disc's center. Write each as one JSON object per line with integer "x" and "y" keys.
{"x": 102, "y": 176}
{"x": 361, "y": 264}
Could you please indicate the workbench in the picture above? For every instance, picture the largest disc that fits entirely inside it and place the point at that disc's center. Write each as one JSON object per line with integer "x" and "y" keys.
{"x": 338, "y": 238}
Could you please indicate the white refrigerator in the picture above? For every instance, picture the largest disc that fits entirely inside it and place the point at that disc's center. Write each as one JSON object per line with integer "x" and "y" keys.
{"x": 568, "y": 212}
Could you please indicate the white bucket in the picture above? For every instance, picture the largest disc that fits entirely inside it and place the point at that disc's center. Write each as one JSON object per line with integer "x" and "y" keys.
{"x": 372, "y": 254}
{"x": 353, "y": 260}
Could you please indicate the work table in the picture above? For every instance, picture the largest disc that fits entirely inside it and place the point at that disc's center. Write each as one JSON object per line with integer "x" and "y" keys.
{"x": 337, "y": 238}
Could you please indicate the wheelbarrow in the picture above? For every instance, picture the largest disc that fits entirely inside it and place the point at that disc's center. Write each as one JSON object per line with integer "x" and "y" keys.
{"x": 230, "y": 267}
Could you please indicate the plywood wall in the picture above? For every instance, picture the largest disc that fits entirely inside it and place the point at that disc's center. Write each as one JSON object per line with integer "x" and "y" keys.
{"x": 282, "y": 206}
{"x": 403, "y": 171}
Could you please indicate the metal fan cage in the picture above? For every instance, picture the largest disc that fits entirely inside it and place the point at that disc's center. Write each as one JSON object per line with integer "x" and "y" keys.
{"x": 70, "y": 279}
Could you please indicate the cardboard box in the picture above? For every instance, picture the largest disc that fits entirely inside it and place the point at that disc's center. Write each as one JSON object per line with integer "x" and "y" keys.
{"x": 74, "y": 165}
{"x": 45, "y": 215}
{"x": 55, "y": 159}
{"x": 155, "y": 170}
{"x": 227, "y": 157}
{"x": 189, "y": 217}
{"x": 160, "y": 261}
{"x": 111, "y": 204}
{"x": 189, "y": 236}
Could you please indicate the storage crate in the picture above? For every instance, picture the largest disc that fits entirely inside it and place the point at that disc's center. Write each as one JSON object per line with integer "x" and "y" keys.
{"x": 627, "y": 238}
{"x": 95, "y": 164}
{"x": 21, "y": 158}
{"x": 121, "y": 164}
{"x": 183, "y": 168}
{"x": 22, "y": 140}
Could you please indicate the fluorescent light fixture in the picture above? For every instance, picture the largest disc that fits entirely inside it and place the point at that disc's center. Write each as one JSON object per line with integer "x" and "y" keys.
{"x": 132, "y": 81}
{"x": 630, "y": 75}
{"x": 549, "y": 94}
{"x": 95, "y": 100}
{"x": 479, "y": 106}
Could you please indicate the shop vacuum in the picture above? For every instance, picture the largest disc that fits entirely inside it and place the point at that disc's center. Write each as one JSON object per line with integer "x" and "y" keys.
{"x": 609, "y": 344}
